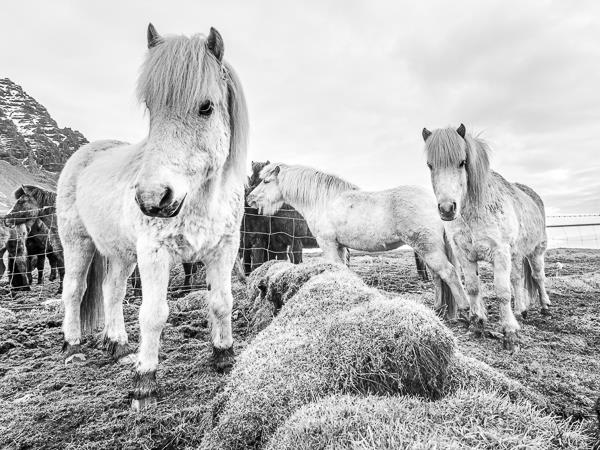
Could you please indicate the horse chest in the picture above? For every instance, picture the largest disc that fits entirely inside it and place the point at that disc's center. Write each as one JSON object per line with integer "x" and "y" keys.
{"x": 475, "y": 248}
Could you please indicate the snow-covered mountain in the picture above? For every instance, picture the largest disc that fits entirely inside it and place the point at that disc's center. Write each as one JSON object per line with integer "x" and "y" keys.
{"x": 29, "y": 136}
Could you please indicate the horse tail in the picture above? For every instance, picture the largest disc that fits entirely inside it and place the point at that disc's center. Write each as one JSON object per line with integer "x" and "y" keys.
{"x": 91, "y": 311}
{"x": 531, "y": 285}
{"x": 448, "y": 300}
{"x": 421, "y": 267}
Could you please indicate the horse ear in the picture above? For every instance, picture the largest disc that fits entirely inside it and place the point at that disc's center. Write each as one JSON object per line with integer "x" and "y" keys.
{"x": 153, "y": 37}
{"x": 426, "y": 133}
{"x": 276, "y": 170}
{"x": 461, "y": 131}
{"x": 214, "y": 42}
{"x": 268, "y": 162}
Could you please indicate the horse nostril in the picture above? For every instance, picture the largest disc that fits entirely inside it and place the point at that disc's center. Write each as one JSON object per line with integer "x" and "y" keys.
{"x": 453, "y": 207}
{"x": 167, "y": 198}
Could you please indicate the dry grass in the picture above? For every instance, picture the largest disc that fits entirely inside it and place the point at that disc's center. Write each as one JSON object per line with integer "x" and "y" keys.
{"x": 468, "y": 419}
{"x": 334, "y": 336}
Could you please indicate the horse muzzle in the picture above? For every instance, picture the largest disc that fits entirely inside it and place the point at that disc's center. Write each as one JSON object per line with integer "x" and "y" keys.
{"x": 159, "y": 204}
{"x": 447, "y": 211}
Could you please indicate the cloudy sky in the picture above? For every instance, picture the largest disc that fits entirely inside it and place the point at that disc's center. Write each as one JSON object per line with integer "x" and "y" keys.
{"x": 346, "y": 86}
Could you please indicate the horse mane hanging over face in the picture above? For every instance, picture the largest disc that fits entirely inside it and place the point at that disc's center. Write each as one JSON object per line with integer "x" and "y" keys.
{"x": 305, "y": 184}
{"x": 446, "y": 148}
{"x": 180, "y": 74}
{"x": 42, "y": 196}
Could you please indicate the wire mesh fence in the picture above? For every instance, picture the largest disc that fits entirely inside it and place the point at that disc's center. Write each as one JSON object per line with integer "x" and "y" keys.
{"x": 29, "y": 259}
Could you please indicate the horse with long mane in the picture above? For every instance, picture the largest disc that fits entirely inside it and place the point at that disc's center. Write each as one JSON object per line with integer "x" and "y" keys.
{"x": 274, "y": 234}
{"x": 34, "y": 207}
{"x": 489, "y": 219}
{"x": 176, "y": 196}
{"x": 341, "y": 216}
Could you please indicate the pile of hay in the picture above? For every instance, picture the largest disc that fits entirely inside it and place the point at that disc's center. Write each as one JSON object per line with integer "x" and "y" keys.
{"x": 335, "y": 335}
{"x": 466, "y": 419}
{"x": 272, "y": 284}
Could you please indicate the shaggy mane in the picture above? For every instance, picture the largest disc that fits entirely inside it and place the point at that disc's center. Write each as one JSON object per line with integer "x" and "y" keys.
{"x": 444, "y": 148}
{"x": 42, "y": 196}
{"x": 180, "y": 73}
{"x": 306, "y": 185}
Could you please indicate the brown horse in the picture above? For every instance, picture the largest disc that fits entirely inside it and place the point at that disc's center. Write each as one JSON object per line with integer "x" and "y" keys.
{"x": 37, "y": 204}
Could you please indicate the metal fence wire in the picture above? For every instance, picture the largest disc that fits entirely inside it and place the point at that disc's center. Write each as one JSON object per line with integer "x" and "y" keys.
{"x": 262, "y": 238}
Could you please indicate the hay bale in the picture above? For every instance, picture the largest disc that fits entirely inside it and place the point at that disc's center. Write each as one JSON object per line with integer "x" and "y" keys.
{"x": 467, "y": 419}
{"x": 335, "y": 335}
{"x": 466, "y": 372}
{"x": 7, "y": 316}
{"x": 272, "y": 284}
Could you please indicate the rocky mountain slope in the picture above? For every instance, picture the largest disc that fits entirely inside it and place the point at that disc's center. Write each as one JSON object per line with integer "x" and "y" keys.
{"x": 29, "y": 136}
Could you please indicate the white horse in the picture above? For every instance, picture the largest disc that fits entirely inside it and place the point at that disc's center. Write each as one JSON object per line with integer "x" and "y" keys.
{"x": 489, "y": 219}
{"x": 176, "y": 196}
{"x": 341, "y": 216}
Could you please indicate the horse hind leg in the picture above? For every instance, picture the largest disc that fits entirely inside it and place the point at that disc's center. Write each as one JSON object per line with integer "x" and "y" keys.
{"x": 41, "y": 259}
{"x": 518, "y": 287}
{"x": 79, "y": 252}
{"x": 114, "y": 285}
{"x": 537, "y": 263}
{"x": 421, "y": 267}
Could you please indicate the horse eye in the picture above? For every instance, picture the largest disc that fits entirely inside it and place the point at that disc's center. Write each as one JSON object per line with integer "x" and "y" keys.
{"x": 266, "y": 181}
{"x": 462, "y": 164}
{"x": 430, "y": 166}
{"x": 206, "y": 108}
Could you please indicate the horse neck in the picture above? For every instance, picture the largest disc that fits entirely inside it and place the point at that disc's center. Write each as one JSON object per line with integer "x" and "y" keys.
{"x": 490, "y": 199}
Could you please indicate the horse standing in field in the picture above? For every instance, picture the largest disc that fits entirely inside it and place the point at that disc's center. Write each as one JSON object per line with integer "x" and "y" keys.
{"x": 38, "y": 250}
{"x": 489, "y": 219}
{"x": 342, "y": 217}
{"x": 12, "y": 241}
{"x": 176, "y": 196}
{"x": 33, "y": 205}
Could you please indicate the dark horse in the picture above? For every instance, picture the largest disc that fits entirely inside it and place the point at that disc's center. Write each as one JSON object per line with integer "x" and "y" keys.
{"x": 33, "y": 205}
{"x": 39, "y": 249}
{"x": 268, "y": 237}
{"x": 13, "y": 242}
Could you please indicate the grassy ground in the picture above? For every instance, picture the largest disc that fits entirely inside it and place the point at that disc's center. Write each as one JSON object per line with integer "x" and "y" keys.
{"x": 45, "y": 404}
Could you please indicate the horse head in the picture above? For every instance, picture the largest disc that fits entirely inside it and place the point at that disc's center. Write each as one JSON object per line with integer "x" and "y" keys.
{"x": 458, "y": 164}
{"x": 198, "y": 120}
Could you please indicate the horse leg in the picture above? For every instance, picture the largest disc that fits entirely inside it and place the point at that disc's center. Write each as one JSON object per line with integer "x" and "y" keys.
{"x": 455, "y": 298}
{"x": 297, "y": 251}
{"x": 518, "y": 286}
{"x": 438, "y": 305}
{"x": 41, "y": 259}
{"x": 538, "y": 273}
{"x": 153, "y": 264}
{"x": 79, "y": 252}
{"x": 114, "y": 285}
{"x": 188, "y": 270}
{"x": 31, "y": 261}
{"x": 332, "y": 251}
{"x": 502, "y": 271}
{"x": 2, "y": 265}
{"x": 53, "y": 265}
{"x": 220, "y": 302}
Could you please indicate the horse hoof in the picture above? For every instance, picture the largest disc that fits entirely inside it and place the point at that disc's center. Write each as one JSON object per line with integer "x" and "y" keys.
{"x": 223, "y": 359}
{"x": 511, "y": 342}
{"x": 477, "y": 326}
{"x": 145, "y": 390}
{"x": 545, "y": 311}
{"x": 115, "y": 349}
{"x": 127, "y": 360}
{"x": 73, "y": 353}
{"x": 138, "y": 404}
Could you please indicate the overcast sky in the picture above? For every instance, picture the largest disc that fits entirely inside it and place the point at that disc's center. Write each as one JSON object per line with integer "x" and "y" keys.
{"x": 346, "y": 86}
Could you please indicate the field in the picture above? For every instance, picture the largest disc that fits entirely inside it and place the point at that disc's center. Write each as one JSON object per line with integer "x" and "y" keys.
{"x": 43, "y": 403}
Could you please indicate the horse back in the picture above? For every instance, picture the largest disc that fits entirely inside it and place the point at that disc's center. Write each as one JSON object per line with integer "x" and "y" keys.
{"x": 534, "y": 196}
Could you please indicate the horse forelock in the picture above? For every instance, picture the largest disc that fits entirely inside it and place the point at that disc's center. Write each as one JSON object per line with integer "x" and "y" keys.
{"x": 306, "y": 185}
{"x": 180, "y": 74}
{"x": 446, "y": 148}
{"x": 42, "y": 196}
